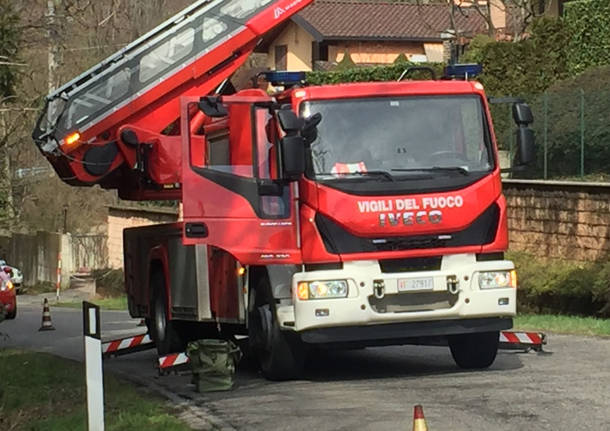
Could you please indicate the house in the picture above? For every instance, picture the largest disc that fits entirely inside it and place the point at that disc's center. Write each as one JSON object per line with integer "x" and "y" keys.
{"x": 124, "y": 217}
{"x": 377, "y": 32}
{"x": 371, "y": 32}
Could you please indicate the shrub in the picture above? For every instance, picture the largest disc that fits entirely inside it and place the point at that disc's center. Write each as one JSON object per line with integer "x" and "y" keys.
{"x": 525, "y": 67}
{"x": 564, "y": 122}
{"x": 588, "y": 23}
{"x": 370, "y": 74}
{"x": 40, "y": 287}
{"x": 402, "y": 58}
{"x": 564, "y": 287}
{"x": 109, "y": 282}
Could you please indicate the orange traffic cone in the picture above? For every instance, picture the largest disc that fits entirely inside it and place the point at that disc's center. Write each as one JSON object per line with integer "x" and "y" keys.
{"x": 46, "y": 318}
{"x": 419, "y": 421}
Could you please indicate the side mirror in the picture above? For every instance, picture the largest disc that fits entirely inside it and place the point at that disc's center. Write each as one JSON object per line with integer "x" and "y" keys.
{"x": 293, "y": 157}
{"x": 526, "y": 149}
{"x": 289, "y": 122}
{"x": 522, "y": 114}
{"x": 213, "y": 107}
{"x": 309, "y": 130}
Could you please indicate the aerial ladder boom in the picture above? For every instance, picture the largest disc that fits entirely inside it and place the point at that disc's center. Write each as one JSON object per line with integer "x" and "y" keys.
{"x": 117, "y": 124}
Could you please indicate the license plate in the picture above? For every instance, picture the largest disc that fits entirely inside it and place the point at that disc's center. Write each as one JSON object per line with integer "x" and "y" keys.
{"x": 409, "y": 284}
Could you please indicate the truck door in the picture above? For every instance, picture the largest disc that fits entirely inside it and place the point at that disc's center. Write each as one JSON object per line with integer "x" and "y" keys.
{"x": 231, "y": 197}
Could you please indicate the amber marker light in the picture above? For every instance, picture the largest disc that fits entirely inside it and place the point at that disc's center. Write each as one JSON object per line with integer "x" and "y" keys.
{"x": 72, "y": 139}
{"x": 513, "y": 279}
{"x": 303, "y": 290}
{"x": 241, "y": 271}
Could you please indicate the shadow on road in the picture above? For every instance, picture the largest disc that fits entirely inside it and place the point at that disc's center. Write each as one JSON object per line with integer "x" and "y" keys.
{"x": 381, "y": 362}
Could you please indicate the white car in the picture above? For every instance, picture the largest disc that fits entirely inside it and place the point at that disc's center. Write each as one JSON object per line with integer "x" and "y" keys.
{"x": 16, "y": 275}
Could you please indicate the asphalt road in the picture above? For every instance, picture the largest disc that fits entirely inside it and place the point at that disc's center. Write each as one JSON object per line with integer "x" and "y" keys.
{"x": 376, "y": 388}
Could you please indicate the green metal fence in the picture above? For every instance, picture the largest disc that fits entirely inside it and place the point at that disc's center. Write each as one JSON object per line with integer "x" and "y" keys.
{"x": 572, "y": 134}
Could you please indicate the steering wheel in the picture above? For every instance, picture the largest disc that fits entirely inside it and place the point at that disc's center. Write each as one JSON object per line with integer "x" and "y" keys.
{"x": 446, "y": 154}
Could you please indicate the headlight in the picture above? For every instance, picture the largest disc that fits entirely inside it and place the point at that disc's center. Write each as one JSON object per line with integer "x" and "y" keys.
{"x": 322, "y": 289}
{"x": 498, "y": 279}
{"x": 6, "y": 286}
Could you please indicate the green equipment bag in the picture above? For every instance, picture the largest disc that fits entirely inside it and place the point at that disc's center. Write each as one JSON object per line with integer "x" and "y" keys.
{"x": 213, "y": 363}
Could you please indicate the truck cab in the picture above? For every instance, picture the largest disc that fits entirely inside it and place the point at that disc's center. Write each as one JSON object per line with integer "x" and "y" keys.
{"x": 393, "y": 229}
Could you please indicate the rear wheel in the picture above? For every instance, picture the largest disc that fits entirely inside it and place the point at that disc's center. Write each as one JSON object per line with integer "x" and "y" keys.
{"x": 162, "y": 329}
{"x": 471, "y": 351}
{"x": 280, "y": 354}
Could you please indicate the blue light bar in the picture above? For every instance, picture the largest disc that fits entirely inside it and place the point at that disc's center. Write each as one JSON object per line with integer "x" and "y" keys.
{"x": 286, "y": 79}
{"x": 463, "y": 70}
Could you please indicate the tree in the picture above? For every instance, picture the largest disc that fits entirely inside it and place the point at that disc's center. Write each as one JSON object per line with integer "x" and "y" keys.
{"x": 518, "y": 13}
{"x": 79, "y": 34}
{"x": 10, "y": 39}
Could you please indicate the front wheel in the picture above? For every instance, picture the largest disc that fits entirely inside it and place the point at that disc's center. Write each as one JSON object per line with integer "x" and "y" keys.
{"x": 162, "y": 329}
{"x": 472, "y": 351}
{"x": 280, "y": 353}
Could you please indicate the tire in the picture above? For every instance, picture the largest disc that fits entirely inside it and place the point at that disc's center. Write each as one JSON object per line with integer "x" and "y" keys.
{"x": 474, "y": 351}
{"x": 13, "y": 314}
{"x": 163, "y": 330}
{"x": 280, "y": 354}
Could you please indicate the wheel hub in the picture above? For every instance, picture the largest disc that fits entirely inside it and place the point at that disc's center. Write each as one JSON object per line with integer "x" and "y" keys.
{"x": 160, "y": 320}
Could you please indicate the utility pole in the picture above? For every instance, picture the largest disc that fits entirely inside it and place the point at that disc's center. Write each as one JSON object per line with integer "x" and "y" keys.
{"x": 53, "y": 44}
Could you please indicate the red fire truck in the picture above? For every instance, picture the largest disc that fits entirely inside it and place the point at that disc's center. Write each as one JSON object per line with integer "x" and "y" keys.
{"x": 348, "y": 215}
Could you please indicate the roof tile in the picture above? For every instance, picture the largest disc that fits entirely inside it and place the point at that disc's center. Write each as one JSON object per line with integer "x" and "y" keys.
{"x": 345, "y": 19}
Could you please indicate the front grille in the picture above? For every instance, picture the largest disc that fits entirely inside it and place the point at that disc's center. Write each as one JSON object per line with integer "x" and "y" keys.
{"x": 411, "y": 302}
{"x": 411, "y": 265}
{"x": 337, "y": 240}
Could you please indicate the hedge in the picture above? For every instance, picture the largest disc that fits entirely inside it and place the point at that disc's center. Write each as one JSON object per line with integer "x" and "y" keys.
{"x": 588, "y": 23}
{"x": 562, "y": 287}
{"x": 109, "y": 282}
{"x": 564, "y": 98}
{"x": 369, "y": 74}
{"x": 525, "y": 67}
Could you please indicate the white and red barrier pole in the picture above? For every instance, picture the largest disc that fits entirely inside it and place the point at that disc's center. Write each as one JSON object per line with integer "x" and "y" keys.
{"x": 93, "y": 365}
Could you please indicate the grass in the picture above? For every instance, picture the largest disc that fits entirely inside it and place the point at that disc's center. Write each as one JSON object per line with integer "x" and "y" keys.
{"x": 38, "y": 288}
{"x": 43, "y": 392}
{"x": 117, "y": 303}
{"x": 563, "y": 324}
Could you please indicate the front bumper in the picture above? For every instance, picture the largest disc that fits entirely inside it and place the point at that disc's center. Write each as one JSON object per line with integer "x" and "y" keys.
{"x": 394, "y": 333}
{"x": 362, "y": 309}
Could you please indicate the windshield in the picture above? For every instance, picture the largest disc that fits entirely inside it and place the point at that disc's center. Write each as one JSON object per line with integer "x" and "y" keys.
{"x": 399, "y": 136}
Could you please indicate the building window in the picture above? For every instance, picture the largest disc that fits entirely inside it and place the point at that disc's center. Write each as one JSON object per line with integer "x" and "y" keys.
{"x": 281, "y": 57}
{"x": 319, "y": 51}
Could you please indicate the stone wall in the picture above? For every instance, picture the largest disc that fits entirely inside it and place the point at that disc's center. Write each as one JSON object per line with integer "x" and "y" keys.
{"x": 559, "y": 219}
{"x": 120, "y": 218}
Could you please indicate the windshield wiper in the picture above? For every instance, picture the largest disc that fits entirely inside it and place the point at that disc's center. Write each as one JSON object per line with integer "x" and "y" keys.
{"x": 383, "y": 174}
{"x": 459, "y": 169}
